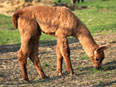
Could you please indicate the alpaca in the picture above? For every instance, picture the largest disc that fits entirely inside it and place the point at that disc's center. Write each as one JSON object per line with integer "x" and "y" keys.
{"x": 59, "y": 22}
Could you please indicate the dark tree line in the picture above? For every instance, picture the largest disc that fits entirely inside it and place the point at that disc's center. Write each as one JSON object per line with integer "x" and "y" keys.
{"x": 73, "y": 1}
{"x": 59, "y": 1}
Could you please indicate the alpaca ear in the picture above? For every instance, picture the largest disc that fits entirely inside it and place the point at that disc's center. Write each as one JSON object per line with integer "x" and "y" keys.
{"x": 102, "y": 48}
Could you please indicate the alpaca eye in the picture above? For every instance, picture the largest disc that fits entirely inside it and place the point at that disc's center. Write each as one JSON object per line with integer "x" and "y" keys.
{"x": 97, "y": 59}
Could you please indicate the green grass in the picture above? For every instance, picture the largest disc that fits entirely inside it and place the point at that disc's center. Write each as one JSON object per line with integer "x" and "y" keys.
{"x": 5, "y": 22}
{"x": 45, "y": 65}
{"x": 7, "y": 33}
{"x": 99, "y": 16}
{"x": 83, "y": 57}
{"x": 9, "y": 37}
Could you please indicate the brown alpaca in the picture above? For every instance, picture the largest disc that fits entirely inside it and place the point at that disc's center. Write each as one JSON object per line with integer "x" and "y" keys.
{"x": 57, "y": 21}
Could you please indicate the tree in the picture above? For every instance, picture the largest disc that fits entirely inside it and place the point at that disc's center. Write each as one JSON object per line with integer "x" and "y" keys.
{"x": 74, "y": 1}
{"x": 59, "y": 1}
{"x": 81, "y": 0}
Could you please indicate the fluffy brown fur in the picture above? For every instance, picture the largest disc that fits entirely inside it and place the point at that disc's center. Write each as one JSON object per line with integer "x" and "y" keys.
{"x": 57, "y": 21}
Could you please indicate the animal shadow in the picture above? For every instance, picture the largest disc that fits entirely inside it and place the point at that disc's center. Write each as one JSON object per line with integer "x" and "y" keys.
{"x": 9, "y": 48}
{"x": 109, "y": 66}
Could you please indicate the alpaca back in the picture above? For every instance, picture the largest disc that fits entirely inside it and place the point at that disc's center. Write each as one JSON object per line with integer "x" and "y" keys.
{"x": 50, "y": 19}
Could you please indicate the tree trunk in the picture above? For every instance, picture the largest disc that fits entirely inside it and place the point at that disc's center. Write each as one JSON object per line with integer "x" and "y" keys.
{"x": 59, "y": 1}
{"x": 73, "y": 1}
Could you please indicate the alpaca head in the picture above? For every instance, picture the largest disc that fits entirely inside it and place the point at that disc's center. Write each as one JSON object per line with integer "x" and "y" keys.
{"x": 98, "y": 56}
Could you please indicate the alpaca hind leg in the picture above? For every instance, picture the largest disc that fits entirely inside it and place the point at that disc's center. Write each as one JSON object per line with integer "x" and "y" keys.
{"x": 22, "y": 57}
{"x": 34, "y": 57}
{"x": 28, "y": 29}
{"x": 59, "y": 60}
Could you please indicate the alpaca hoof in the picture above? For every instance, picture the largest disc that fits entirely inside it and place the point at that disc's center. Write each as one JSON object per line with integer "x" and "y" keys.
{"x": 60, "y": 74}
{"x": 26, "y": 79}
{"x": 71, "y": 73}
{"x": 44, "y": 77}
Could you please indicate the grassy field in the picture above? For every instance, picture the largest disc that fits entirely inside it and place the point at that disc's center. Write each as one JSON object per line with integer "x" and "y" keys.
{"x": 99, "y": 16}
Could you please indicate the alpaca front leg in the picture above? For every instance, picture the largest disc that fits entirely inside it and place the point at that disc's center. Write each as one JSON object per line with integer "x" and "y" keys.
{"x": 23, "y": 62}
{"x": 66, "y": 56}
{"x": 59, "y": 60}
{"x": 65, "y": 51}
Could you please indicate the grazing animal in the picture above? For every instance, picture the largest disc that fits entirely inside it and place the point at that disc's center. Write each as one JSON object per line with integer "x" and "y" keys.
{"x": 57, "y": 21}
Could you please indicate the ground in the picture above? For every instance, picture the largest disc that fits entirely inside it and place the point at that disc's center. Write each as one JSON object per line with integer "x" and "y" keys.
{"x": 85, "y": 75}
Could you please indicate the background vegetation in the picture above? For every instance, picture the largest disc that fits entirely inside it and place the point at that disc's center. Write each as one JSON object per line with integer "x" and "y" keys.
{"x": 99, "y": 16}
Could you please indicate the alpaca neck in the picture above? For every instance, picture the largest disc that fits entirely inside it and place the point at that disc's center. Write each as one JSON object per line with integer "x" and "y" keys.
{"x": 85, "y": 38}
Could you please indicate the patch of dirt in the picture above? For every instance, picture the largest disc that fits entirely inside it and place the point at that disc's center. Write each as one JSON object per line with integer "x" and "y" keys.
{"x": 85, "y": 75}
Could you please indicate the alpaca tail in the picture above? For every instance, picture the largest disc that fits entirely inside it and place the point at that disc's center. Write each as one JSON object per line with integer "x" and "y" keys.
{"x": 15, "y": 19}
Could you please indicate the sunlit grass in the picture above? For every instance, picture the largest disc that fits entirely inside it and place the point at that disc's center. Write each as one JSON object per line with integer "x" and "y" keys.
{"x": 100, "y": 15}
